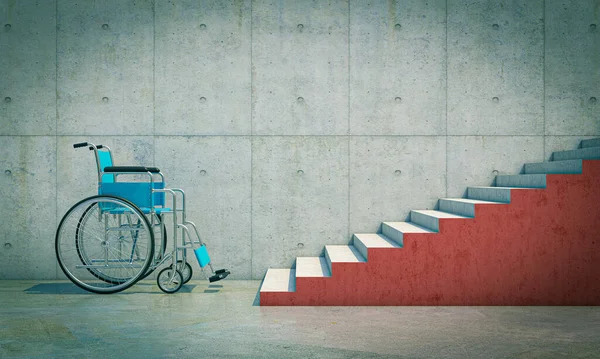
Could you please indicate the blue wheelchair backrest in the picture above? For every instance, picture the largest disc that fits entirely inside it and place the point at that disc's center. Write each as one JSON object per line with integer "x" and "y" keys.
{"x": 137, "y": 192}
{"x": 105, "y": 160}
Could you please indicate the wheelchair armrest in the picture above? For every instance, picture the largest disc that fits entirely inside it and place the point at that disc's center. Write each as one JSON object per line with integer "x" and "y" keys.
{"x": 141, "y": 169}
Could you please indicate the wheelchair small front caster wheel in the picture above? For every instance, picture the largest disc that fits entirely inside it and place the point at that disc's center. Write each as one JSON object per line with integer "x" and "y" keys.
{"x": 186, "y": 270}
{"x": 169, "y": 281}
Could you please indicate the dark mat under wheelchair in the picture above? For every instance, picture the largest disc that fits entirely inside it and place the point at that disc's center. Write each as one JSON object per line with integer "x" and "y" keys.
{"x": 70, "y": 288}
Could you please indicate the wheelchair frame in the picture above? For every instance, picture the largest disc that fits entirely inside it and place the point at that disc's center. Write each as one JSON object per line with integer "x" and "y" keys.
{"x": 111, "y": 257}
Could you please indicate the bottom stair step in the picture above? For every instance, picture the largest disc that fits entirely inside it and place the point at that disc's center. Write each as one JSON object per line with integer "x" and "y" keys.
{"x": 279, "y": 280}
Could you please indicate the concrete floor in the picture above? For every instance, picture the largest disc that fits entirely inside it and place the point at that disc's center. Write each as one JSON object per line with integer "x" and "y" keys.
{"x": 222, "y": 320}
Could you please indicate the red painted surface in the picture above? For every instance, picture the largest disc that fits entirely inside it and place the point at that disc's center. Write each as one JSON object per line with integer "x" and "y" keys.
{"x": 541, "y": 249}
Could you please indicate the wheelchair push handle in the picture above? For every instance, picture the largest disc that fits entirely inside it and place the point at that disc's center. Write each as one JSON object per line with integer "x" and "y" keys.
{"x": 84, "y": 144}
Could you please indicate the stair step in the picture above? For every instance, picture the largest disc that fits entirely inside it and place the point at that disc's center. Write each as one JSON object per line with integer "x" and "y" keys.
{"x": 363, "y": 241}
{"x": 494, "y": 194}
{"x": 589, "y": 153}
{"x": 554, "y": 167}
{"x": 279, "y": 280}
{"x": 431, "y": 218}
{"x": 396, "y": 230}
{"x": 461, "y": 206}
{"x": 593, "y": 142}
{"x": 522, "y": 181}
{"x": 342, "y": 254}
{"x": 312, "y": 267}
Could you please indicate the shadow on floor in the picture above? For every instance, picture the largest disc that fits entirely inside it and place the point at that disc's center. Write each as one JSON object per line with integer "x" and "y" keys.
{"x": 70, "y": 288}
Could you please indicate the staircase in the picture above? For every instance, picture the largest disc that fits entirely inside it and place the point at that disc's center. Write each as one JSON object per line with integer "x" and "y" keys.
{"x": 533, "y": 239}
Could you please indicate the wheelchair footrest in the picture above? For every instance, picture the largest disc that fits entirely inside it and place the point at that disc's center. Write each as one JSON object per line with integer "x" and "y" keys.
{"x": 220, "y": 274}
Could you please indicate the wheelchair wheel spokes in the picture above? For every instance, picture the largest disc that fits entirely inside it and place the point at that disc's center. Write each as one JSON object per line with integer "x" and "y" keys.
{"x": 104, "y": 244}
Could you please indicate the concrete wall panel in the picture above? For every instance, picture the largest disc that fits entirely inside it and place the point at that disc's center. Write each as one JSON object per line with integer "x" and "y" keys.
{"x": 299, "y": 198}
{"x": 476, "y": 160}
{"x": 398, "y": 67}
{"x": 203, "y": 67}
{"x": 572, "y": 67}
{"x": 495, "y": 67}
{"x": 390, "y": 176}
{"x": 28, "y": 210}
{"x": 300, "y": 67}
{"x": 27, "y": 67}
{"x": 105, "y": 67}
{"x": 215, "y": 174}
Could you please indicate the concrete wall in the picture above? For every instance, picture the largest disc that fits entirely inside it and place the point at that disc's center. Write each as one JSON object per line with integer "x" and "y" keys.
{"x": 290, "y": 124}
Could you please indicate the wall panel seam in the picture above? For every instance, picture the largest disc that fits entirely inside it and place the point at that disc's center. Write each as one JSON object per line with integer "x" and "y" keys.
{"x": 446, "y": 75}
{"x": 251, "y": 143}
{"x": 544, "y": 77}
{"x": 348, "y": 129}
{"x": 56, "y": 122}
{"x": 154, "y": 83}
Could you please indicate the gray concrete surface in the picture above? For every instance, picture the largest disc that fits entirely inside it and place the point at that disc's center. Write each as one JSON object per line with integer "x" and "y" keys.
{"x": 356, "y": 90}
{"x": 495, "y": 67}
{"x": 48, "y": 319}
{"x": 571, "y": 89}
{"x": 397, "y": 67}
{"x": 202, "y": 67}
{"x": 104, "y": 68}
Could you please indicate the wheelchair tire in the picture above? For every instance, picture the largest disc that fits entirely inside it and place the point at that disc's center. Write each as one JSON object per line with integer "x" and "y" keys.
{"x": 166, "y": 284}
{"x": 186, "y": 270}
{"x": 104, "y": 244}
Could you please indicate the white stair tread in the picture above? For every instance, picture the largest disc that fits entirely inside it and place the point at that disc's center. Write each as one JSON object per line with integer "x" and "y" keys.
{"x": 374, "y": 240}
{"x": 312, "y": 267}
{"x": 471, "y": 201}
{"x": 408, "y": 227}
{"x": 279, "y": 280}
{"x": 344, "y": 253}
{"x": 438, "y": 214}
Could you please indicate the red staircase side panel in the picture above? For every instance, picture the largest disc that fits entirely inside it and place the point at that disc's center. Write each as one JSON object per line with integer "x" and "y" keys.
{"x": 541, "y": 249}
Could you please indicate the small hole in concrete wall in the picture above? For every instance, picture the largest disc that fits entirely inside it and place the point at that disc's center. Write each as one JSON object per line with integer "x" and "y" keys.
{"x": 397, "y": 172}
{"x": 7, "y": 245}
{"x": 202, "y": 173}
{"x": 495, "y": 172}
{"x": 300, "y": 172}
{"x": 397, "y": 26}
{"x": 300, "y": 26}
{"x": 8, "y": 172}
{"x": 300, "y": 245}
{"x": 300, "y": 99}
{"x": 7, "y": 99}
{"x": 495, "y": 26}
{"x": 104, "y": 99}
{"x": 593, "y": 27}
{"x": 202, "y": 26}
{"x": 593, "y": 99}
{"x": 398, "y": 99}
{"x": 496, "y": 99}
{"x": 7, "y": 26}
{"x": 202, "y": 99}
{"x": 105, "y": 26}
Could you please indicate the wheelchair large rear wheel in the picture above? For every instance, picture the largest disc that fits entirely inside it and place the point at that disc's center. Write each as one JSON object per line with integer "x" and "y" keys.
{"x": 104, "y": 244}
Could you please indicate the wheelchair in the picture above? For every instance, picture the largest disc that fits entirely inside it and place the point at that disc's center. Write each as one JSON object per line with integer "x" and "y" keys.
{"x": 107, "y": 242}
